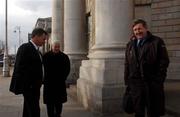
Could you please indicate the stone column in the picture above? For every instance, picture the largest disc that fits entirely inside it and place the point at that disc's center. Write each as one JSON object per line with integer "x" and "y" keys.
{"x": 100, "y": 86}
{"x": 57, "y": 22}
{"x": 75, "y": 43}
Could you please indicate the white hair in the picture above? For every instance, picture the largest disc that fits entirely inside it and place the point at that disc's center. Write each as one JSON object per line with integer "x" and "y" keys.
{"x": 54, "y": 42}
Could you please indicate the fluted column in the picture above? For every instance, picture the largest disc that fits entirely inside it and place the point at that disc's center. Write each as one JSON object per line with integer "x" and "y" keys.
{"x": 75, "y": 44}
{"x": 101, "y": 85}
{"x": 113, "y": 22}
{"x": 57, "y": 22}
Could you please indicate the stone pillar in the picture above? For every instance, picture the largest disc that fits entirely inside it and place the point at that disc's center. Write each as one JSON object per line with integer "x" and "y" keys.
{"x": 57, "y": 22}
{"x": 101, "y": 83}
{"x": 75, "y": 44}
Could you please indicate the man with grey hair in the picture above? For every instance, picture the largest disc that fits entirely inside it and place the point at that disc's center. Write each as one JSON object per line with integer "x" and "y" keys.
{"x": 57, "y": 68}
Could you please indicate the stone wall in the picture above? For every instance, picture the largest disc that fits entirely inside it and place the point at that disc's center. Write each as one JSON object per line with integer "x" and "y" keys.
{"x": 142, "y": 9}
{"x": 166, "y": 24}
{"x": 138, "y": 2}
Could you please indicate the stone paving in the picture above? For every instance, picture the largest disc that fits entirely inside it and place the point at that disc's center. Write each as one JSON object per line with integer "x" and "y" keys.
{"x": 11, "y": 105}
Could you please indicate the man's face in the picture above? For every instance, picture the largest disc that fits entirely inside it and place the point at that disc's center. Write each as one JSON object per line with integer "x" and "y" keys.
{"x": 139, "y": 31}
{"x": 56, "y": 48}
{"x": 41, "y": 39}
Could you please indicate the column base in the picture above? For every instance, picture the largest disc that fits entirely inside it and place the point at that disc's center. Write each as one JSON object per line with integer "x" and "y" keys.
{"x": 6, "y": 74}
{"x": 100, "y": 86}
{"x": 74, "y": 72}
{"x": 75, "y": 61}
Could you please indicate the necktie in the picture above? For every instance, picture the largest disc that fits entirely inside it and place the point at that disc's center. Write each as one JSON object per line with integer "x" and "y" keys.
{"x": 138, "y": 48}
{"x": 139, "y": 42}
{"x": 41, "y": 62}
{"x": 39, "y": 54}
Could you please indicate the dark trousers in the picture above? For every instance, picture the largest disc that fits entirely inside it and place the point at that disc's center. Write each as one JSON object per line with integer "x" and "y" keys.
{"x": 143, "y": 101}
{"x": 31, "y": 103}
{"x": 136, "y": 115}
{"x": 54, "y": 109}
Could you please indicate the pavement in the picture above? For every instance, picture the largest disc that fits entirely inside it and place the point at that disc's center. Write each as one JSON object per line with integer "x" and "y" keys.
{"x": 11, "y": 105}
{"x": 172, "y": 95}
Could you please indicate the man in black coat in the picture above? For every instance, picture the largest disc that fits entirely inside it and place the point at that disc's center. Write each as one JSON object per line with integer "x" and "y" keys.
{"x": 57, "y": 68}
{"x": 146, "y": 63}
{"x": 28, "y": 73}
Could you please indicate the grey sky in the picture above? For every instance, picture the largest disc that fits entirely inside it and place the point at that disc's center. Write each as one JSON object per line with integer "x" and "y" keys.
{"x": 34, "y": 5}
{"x": 23, "y": 13}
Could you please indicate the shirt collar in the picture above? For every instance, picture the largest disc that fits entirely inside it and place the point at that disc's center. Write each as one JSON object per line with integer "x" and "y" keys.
{"x": 34, "y": 45}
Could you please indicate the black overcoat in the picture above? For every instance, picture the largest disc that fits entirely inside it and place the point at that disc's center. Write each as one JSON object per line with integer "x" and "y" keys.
{"x": 27, "y": 72}
{"x": 57, "y": 68}
{"x": 145, "y": 71}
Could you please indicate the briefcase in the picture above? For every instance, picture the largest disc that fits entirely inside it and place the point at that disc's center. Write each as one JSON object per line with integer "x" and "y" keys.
{"x": 128, "y": 104}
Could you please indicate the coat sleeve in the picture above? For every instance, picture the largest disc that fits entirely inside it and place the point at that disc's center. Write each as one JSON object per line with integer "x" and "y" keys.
{"x": 126, "y": 66}
{"x": 67, "y": 66}
{"x": 163, "y": 61}
{"x": 17, "y": 81}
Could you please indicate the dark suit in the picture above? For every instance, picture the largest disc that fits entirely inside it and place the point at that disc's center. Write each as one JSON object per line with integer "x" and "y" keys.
{"x": 27, "y": 78}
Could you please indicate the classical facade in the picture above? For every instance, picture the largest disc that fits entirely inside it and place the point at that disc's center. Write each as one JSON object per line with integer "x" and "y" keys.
{"x": 94, "y": 34}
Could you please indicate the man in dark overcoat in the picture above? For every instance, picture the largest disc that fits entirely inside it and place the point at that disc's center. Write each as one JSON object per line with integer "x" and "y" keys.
{"x": 57, "y": 68}
{"x": 28, "y": 73}
{"x": 146, "y": 62}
